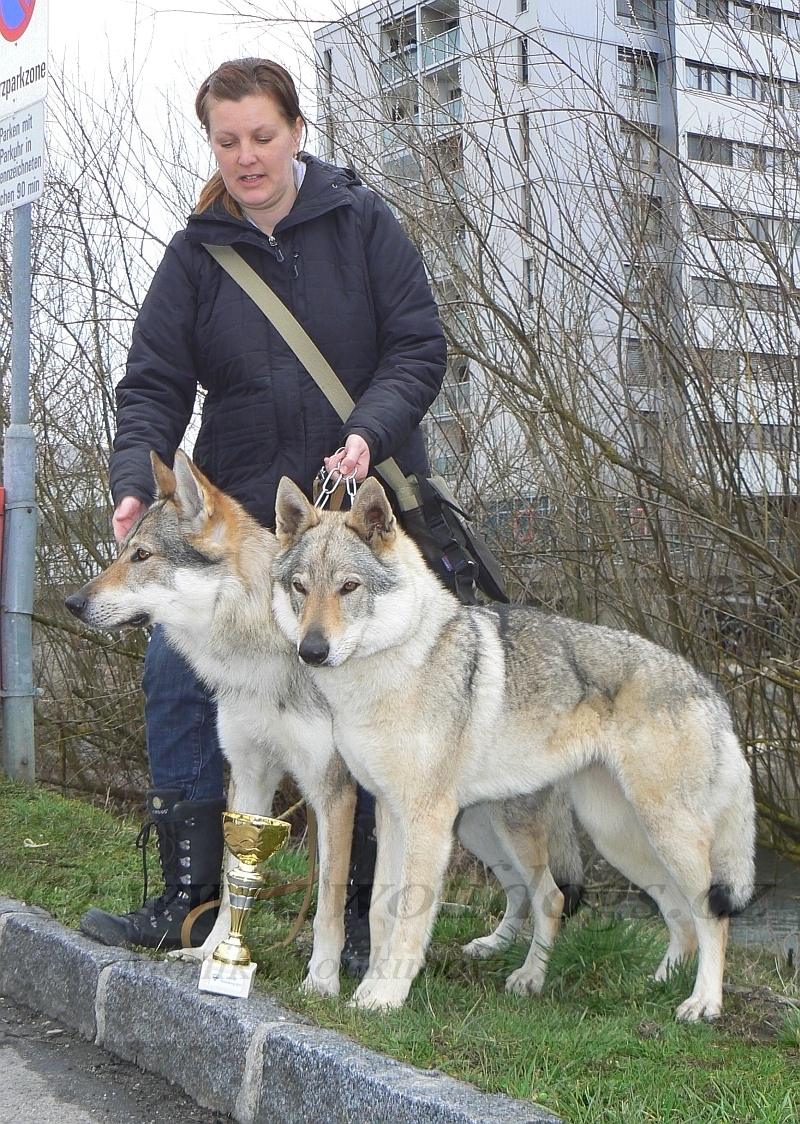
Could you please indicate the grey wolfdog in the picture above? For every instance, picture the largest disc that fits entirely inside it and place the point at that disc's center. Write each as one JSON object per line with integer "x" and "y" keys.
{"x": 438, "y": 706}
{"x": 199, "y": 565}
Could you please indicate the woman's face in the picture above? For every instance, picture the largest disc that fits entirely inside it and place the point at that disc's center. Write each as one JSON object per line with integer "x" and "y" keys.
{"x": 254, "y": 145}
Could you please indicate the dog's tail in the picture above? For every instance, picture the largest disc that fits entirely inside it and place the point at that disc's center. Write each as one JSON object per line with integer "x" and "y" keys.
{"x": 733, "y": 846}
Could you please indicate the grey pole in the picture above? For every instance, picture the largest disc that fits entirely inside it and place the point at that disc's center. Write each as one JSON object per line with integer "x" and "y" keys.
{"x": 19, "y": 540}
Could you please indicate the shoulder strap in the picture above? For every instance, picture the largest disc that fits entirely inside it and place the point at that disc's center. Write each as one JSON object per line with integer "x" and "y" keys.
{"x": 309, "y": 355}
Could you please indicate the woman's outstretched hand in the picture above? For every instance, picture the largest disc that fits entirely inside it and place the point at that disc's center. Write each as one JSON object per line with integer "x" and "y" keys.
{"x": 356, "y": 456}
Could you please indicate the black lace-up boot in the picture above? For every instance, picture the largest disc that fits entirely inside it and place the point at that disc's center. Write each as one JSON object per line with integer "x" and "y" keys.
{"x": 190, "y": 848}
{"x": 355, "y": 954}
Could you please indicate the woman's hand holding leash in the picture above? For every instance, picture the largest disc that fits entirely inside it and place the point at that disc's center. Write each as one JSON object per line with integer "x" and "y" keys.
{"x": 353, "y": 459}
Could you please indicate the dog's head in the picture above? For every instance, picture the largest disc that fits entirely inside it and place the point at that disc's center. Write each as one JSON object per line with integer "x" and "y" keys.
{"x": 341, "y": 578}
{"x": 170, "y": 562}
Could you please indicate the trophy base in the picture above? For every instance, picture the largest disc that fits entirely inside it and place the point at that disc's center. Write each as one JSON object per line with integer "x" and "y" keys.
{"x": 227, "y": 979}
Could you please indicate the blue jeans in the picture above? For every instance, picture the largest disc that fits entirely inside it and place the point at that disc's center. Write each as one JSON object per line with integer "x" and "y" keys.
{"x": 181, "y": 723}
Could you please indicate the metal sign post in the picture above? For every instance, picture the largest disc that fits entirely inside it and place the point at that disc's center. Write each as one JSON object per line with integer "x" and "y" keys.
{"x": 23, "y": 85}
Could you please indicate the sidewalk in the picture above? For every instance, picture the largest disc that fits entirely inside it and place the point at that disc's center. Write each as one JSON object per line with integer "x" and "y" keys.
{"x": 251, "y": 1059}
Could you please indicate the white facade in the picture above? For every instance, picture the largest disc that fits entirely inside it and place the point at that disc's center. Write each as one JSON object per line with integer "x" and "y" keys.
{"x": 653, "y": 146}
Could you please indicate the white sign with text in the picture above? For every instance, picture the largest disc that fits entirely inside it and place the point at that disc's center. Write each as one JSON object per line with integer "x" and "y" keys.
{"x": 22, "y": 157}
{"x": 23, "y": 54}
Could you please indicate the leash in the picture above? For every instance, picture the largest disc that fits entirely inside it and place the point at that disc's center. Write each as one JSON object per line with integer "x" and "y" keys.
{"x": 333, "y": 485}
{"x": 267, "y": 893}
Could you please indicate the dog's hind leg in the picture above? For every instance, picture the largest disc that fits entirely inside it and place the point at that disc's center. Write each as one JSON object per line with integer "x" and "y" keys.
{"x": 522, "y": 828}
{"x": 476, "y": 832}
{"x": 620, "y": 838}
{"x": 666, "y": 851}
{"x": 335, "y": 815}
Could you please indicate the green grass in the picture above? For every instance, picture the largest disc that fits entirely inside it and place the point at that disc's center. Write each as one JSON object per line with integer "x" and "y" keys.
{"x": 600, "y": 1045}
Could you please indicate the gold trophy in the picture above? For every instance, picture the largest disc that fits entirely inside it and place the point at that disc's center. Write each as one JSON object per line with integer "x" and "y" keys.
{"x": 252, "y": 839}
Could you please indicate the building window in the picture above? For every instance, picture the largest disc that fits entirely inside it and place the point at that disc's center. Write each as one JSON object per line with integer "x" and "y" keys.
{"x": 749, "y": 16}
{"x": 638, "y": 73}
{"x": 525, "y": 136}
{"x": 760, "y": 158}
{"x": 643, "y": 218}
{"x": 740, "y": 84}
{"x": 721, "y": 293}
{"x": 713, "y": 291}
{"x": 722, "y": 225}
{"x": 710, "y": 150}
{"x": 327, "y": 70}
{"x": 524, "y": 59}
{"x": 528, "y": 281}
{"x": 526, "y": 207}
{"x": 639, "y": 12}
{"x": 640, "y": 145}
{"x": 522, "y": 6}
{"x": 716, "y": 11}
{"x": 639, "y": 365}
{"x": 709, "y": 79}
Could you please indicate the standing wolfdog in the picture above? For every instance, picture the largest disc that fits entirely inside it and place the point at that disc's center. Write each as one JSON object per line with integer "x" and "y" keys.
{"x": 199, "y": 565}
{"x": 438, "y": 706}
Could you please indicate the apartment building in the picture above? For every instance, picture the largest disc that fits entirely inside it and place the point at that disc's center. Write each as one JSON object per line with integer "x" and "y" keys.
{"x": 646, "y": 150}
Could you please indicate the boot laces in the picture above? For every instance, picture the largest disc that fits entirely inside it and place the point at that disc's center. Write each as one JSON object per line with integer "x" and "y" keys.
{"x": 167, "y": 858}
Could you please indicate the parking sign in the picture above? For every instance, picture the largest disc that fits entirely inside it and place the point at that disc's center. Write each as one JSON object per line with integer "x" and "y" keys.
{"x": 23, "y": 54}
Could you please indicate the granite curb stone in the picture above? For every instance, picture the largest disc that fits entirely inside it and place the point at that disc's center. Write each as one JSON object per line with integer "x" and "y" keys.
{"x": 252, "y": 1059}
{"x": 53, "y": 969}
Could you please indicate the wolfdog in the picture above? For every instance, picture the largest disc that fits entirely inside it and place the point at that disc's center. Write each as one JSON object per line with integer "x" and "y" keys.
{"x": 438, "y": 706}
{"x": 199, "y": 565}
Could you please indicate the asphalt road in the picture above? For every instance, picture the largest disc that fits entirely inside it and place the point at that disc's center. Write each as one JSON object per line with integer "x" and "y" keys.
{"x": 49, "y": 1075}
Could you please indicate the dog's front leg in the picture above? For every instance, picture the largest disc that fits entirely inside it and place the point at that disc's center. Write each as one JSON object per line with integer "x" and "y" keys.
{"x": 335, "y": 834}
{"x": 424, "y": 841}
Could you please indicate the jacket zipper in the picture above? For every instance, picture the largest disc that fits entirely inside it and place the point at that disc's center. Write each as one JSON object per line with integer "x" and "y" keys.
{"x": 273, "y": 241}
{"x": 295, "y": 256}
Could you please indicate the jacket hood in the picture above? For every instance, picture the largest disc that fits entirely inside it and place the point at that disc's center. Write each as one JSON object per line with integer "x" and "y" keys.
{"x": 324, "y": 187}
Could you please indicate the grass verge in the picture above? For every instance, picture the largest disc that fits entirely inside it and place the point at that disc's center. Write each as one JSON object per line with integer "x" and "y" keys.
{"x": 600, "y": 1045}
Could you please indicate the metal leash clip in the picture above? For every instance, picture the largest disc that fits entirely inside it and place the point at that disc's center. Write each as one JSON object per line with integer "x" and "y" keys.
{"x": 331, "y": 479}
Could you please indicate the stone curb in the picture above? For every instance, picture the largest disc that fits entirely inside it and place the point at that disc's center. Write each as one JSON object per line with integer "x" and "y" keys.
{"x": 248, "y": 1058}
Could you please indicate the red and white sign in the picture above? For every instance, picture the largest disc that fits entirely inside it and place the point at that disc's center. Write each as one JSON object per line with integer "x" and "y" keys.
{"x": 23, "y": 54}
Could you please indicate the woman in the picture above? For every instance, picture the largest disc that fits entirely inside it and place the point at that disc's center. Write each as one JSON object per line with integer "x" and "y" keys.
{"x": 335, "y": 255}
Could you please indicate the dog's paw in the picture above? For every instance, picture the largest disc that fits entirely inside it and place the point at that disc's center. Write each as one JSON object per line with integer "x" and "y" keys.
{"x": 379, "y": 995}
{"x": 327, "y": 987}
{"x": 526, "y": 981}
{"x": 696, "y": 1007}
{"x": 187, "y": 955}
{"x": 482, "y": 947}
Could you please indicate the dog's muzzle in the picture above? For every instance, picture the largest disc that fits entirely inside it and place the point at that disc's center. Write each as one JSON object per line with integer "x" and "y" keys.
{"x": 77, "y": 603}
{"x": 314, "y": 649}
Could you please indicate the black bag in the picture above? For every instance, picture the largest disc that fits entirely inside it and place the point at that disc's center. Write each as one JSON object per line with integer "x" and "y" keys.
{"x": 456, "y": 552}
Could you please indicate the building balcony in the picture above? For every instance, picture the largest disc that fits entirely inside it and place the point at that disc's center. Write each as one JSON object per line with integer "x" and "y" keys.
{"x": 399, "y": 66}
{"x": 441, "y": 49}
{"x": 449, "y": 116}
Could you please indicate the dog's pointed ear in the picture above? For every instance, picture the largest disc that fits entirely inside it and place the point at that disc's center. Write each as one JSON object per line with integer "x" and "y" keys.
{"x": 371, "y": 516}
{"x": 194, "y": 495}
{"x": 164, "y": 478}
{"x": 294, "y": 515}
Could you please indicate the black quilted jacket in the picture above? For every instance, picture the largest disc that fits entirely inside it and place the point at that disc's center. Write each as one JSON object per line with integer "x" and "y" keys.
{"x": 340, "y": 261}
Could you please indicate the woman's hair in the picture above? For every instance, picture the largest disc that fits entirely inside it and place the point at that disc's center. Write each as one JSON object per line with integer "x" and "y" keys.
{"x": 243, "y": 78}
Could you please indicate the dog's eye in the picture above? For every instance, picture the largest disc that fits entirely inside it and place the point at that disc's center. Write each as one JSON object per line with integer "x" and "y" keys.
{"x": 140, "y": 555}
{"x": 299, "y": 587}
{"x": 348, "y": 587}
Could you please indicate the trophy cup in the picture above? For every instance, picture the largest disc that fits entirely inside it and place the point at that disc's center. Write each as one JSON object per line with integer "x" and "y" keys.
{"x": 252, "y": 840}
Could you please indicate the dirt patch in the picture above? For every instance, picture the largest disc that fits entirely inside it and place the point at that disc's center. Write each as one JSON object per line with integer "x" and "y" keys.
{"x": 754, "y": 1014}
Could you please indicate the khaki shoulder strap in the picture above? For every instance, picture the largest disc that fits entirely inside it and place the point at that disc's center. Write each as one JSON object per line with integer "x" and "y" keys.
{"x": 309, "y": 355}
